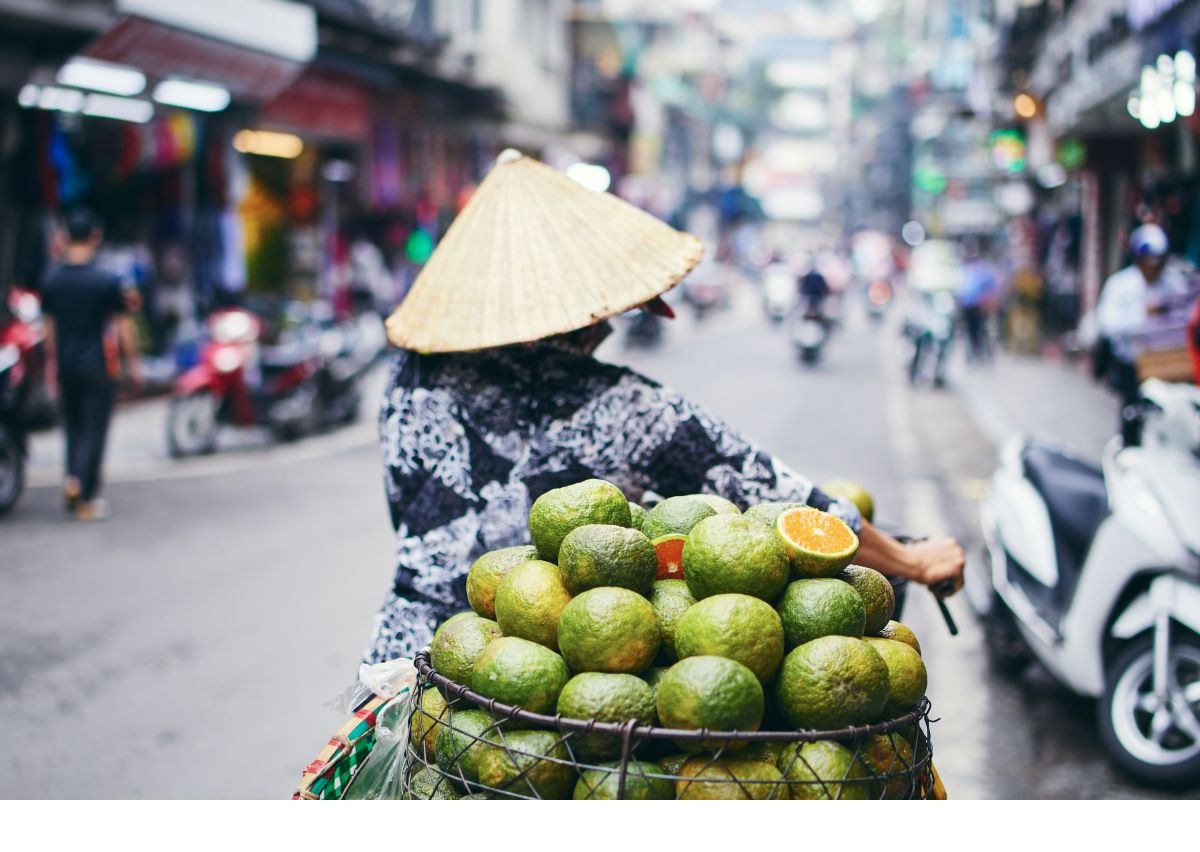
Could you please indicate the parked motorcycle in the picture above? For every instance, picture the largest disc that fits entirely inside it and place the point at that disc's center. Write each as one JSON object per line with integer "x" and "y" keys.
{"x": 22, "y": 361}
{"x": 273, "y": 367}
{"x": 1095, "y": 572}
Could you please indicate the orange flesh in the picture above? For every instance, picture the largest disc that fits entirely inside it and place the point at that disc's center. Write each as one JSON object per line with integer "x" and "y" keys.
{"x": 817, "y": 531}
{"x": 670, "y": 559}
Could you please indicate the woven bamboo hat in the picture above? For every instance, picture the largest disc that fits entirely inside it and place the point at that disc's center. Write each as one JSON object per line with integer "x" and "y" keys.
{"x": 534, "y": 254}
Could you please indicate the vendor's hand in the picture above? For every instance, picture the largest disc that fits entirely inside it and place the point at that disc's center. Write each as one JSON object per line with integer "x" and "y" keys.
{"x": 937, "y": 561}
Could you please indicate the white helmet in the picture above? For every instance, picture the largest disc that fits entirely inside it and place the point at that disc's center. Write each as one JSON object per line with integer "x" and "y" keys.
{"x": 1148, "y": 241}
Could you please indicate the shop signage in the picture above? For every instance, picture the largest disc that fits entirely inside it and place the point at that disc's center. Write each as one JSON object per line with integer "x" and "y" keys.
{"x": 276, "y": 27}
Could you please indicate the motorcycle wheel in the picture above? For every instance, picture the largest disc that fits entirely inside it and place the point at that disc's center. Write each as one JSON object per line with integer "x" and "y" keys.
{"x": 310, "y": 423}
{"x": 12, "y": 471}
{"x": 1007, "y": 652}
{"x": 192, "y": 425}
{"x": 1157, "y": 744}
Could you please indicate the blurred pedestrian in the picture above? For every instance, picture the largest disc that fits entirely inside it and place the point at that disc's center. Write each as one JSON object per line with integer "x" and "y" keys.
{"x": 814, "y": 290}
{"x": 495, "y": 396}
{"x": 977, "y": 298}
{"x": 1129, "y": 297}
{"x": 80, "y": 301}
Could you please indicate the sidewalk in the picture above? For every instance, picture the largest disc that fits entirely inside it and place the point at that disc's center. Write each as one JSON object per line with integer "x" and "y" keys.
{"x": 1022, "y": 394}
{"x": 137, "y": 442}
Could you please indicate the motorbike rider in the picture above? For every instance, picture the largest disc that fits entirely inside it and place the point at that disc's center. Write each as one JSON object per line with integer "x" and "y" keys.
{"x": 814, "y": 290}
{"x": 1129, "y": 297}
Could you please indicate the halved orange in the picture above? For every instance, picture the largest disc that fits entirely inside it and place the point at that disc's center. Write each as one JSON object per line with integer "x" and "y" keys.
{"x": 818, "y": 544}
{"x": 670, "y": 556}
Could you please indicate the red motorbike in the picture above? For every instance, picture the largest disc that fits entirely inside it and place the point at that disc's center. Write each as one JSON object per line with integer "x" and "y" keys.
{"x": 22, "y": 389}
{"x": 242, "y": 380}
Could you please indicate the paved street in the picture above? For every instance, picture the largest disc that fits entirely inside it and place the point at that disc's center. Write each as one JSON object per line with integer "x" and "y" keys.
{"x": 185, "y": 648}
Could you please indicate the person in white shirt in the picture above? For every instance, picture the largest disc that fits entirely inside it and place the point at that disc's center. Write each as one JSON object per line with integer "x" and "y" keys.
{"x": 1129, "y": 297}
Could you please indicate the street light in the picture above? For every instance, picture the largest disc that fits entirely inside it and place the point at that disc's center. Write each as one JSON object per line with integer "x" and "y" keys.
{"x": 102, "y": 77}
{"x": 1025, "y": 105}
{"x": 205, "y": 97}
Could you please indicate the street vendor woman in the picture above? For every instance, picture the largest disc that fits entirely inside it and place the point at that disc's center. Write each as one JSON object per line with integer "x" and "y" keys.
{"x": 495, "y": 396}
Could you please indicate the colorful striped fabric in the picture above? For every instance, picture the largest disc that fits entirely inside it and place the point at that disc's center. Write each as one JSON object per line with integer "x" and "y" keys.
{"x": 330, "y": 774}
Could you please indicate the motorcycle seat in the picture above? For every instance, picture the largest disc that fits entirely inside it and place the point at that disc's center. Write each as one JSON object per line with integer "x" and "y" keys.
{"x": 1076, "y": 500}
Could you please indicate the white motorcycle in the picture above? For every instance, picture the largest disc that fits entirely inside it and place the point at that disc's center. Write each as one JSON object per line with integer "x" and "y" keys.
{"x": 1095, "y": 572}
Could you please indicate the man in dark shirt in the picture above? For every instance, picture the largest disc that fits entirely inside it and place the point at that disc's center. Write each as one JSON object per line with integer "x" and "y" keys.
{"x": 813, "y": 290}
{"x": 79, "y": 301}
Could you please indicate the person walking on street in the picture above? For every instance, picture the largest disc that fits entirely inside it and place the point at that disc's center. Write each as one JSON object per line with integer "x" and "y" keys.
{"x": 1129, "y": 297}
{"x": 79, "y": 302}
{"x": 976, "y": 299}
{"x": 495, "y": 396}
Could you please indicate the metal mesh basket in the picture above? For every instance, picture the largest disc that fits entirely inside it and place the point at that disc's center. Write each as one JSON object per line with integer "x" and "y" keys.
{"x": 496, "y": 751}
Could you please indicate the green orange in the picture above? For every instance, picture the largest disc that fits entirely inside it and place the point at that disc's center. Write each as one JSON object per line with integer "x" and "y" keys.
{"x": 889, "y": 760}
{"x": 907, "y": 677}
{"x": 729, "y": 778}
{"x": 532, "y": 764}
{"x": 768, "y": 513}
{"x": 595, "y": 555}
{"x": 876, "y": 591}
{"x": 832, "y": 682}
{"x": 458, "y": 643}
{"x": 529, "y": 601}
{"x": 823, "y": 770}
{"x": 560, "y": 510}
{"x": 901, "y": 633}
{"x": 521, "y": 673}
{"x": 605, "y": 697}
{"x": 609, "y": 629}
{"x": 710, "y": 692}
{"x": 488, "y": 570}
{"x": 737, "y": 627}
{"x": 425, "y": 723}
{"x": 676, "y": 515}
{"x": 820, "y": 607}
{"x": 734, "y": 554}
{"x": 643, "y": 781}
{"x": 670, "y": 599}
{"x": 720, "y": 504}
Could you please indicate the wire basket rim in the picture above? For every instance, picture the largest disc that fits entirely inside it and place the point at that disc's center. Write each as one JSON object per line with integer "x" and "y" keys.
{"x": 633, "y": 730}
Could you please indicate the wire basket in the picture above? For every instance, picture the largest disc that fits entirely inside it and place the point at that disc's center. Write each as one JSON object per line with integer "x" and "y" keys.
{"x": 503, "y": 752}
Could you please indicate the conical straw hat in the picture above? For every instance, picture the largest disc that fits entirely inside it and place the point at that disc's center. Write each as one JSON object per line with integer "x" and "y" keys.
{"x": 534, "y": 254}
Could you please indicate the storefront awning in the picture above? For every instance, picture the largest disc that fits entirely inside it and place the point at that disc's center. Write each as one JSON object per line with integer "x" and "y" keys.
{"x": 253, "y": 48}
{"x": 321, "y": 103}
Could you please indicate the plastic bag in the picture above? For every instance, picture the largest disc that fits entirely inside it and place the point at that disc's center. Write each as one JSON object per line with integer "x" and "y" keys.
{"x": 383, "y": 679}
{"x": 382, "y": 774}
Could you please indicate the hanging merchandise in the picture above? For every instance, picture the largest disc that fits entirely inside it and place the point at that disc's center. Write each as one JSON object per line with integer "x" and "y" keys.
{"x": 232, "y": 276}
{"x": 73, "y": 182}
{"x": 386, "y": 184}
